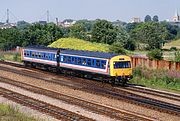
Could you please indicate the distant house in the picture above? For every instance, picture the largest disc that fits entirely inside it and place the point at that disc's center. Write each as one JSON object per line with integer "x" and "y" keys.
{"x": 67, "y": 23}
{"x": 7, "y": 25}
{"x": 176, "y": 17}
{"x": 42, "y": 22}
{"x": 136, "y": 20}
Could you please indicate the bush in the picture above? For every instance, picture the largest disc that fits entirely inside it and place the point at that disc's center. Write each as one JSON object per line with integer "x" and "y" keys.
{"x": 155, "y": 55}
{"x": 117, "y": 48}
{"x": 173, "y": 49}
{"x": 177, "y": 56}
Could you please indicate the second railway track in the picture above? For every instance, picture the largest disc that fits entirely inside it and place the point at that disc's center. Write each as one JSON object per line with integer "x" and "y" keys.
{"x": 93, "y": 107}
{"x": 41, "y": 106}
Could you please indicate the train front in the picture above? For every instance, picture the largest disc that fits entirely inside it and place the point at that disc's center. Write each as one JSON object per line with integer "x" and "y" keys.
{"x": 121, "y": 68}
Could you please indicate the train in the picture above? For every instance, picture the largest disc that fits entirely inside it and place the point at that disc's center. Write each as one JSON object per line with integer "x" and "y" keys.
{"x": 113, "y": 68}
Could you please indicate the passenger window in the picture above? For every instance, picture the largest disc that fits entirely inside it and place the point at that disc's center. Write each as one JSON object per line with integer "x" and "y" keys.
{"x": 83, "y": 61}
{"x": 39, "y": 55}
{"x": 75, "y": 60}
{"x": 89, "y": 62}
{"x": 62, "y": 59}
{"x": 93, "y": 62}
{"x": 33, "y": 54}
{"x": 69, "y": 59}
{"x": 98, "y": 63}
{"x": 65, "y": 59}
{"x": 79, "y": 61}
{"x": 103, "y": 64}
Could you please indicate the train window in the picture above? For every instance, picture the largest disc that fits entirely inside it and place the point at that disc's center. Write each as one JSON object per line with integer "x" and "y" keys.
{"x": 79, "y": 61}
{"x": 36, "y": 54}
{"x": 89, "y": 62}
{"x": 27, "y": 53}
{"x": 75, "y": 60}
{"x": 65, "y": 59}
{"x": 103, "y": 64}
{"x": 98, "y": 63}
{"x": 92, "y": 63}
{"x": 62, "y": 58}
{"x": 84, "y": 61}
{"x": 47, "y": 56}
{"x": 124, "y": 64}
{"x": 69, "y": 59}
{"x": 40, "y": 55}
{"x": 54, "y": 56}
{"x": 32, "y": 54}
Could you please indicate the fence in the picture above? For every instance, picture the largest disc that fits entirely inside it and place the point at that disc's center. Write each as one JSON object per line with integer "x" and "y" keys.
{"x": 155, "y": 64}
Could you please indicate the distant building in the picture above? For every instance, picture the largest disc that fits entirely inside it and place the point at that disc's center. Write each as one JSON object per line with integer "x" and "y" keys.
{"x": 7, "y": 25}
{"x": 42, "y": 22}
{"x": 176, "y": 17}
{"x": 136, "y": 20}
{"x": 67, "y": 23}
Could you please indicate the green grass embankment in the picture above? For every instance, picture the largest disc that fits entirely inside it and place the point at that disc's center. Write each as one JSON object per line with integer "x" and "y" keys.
{"x": 159, "y": 79}
{"x": 175, "y": 43}
{"x": 78, "y": 44}
{"x": 8, "y": 113}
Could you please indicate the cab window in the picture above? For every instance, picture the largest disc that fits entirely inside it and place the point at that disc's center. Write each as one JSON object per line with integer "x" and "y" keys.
{"x": 124, "y": 64}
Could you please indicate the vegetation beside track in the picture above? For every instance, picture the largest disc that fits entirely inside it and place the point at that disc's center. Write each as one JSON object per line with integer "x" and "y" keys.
{"x": 9, "y": 113}
{"x": 10, "y": 56}
{"x": 79, "y": 44}
{"x": 158, "y": 79}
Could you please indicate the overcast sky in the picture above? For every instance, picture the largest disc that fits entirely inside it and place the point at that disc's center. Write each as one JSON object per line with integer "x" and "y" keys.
{"x": 35, "y": 10}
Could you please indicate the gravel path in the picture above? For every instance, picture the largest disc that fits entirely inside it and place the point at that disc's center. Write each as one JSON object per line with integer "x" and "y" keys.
{"x": 118, "y": 104}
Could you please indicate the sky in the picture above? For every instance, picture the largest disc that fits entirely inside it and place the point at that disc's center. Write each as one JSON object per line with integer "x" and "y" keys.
{"x": 112, "y": 10}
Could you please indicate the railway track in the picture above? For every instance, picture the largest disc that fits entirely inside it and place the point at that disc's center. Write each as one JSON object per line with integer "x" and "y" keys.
{"x": 41, "y": 106}
{"x": 158, "y": 93}
{"x": 117, "y": 94}
{"x": 93, "y": 107}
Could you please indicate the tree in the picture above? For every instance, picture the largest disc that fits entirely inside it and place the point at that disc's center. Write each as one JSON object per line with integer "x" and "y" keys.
{"x": 103, "y": 32}
{"x": 147, "y": 18}
{"x": 155, "y": 55}
{"x": 124, "y": 38}
{"x": 151, "y": 33}
{"x": 172, "y": 30}
{"x": 131, "y": 26}
{"x": 117, "y": 48}
{"x": 155, "y": 18}
{"x": 78, "y": 30}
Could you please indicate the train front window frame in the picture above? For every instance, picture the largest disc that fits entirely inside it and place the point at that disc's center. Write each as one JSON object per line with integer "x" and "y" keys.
{"x": 122, "y": 64}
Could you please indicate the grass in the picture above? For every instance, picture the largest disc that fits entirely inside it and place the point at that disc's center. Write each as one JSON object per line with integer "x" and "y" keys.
{"x": 175, "y": 43}
{"x": 11, "y": 56}
{"x": 8, "y": 113}
{"x": 78, "y": 44}
{"x": 158, "y": 79}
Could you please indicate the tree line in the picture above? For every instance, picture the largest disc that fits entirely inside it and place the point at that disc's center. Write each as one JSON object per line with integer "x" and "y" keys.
{"x": 145, "y": 35}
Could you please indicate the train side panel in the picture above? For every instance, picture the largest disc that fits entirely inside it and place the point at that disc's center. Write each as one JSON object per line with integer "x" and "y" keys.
{"x": 37, "y": 56}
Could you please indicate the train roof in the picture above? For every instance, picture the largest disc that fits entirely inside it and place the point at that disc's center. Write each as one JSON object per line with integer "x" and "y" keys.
{"x": 75, "y": 52}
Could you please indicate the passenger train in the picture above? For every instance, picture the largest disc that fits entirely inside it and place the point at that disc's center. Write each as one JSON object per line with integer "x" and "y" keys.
{"x": 110, "y": 67}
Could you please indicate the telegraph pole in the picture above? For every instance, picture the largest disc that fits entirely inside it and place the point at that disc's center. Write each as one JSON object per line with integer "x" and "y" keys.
{"x": 47, "y": 16}
{"x": 7, "y": 21}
